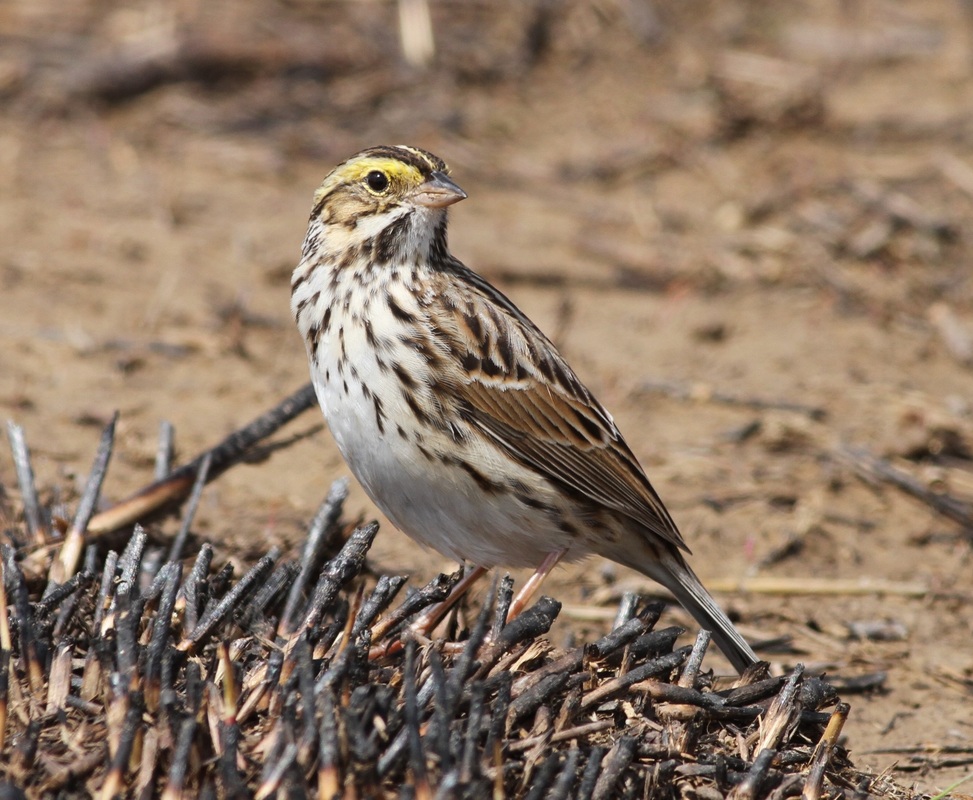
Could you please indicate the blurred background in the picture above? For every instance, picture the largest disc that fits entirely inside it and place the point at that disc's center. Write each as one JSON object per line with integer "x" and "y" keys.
{"x": 748, "y": 225}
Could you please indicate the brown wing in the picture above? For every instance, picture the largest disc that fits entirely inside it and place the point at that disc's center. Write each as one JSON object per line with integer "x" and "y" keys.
{"x": 521, "y": 393}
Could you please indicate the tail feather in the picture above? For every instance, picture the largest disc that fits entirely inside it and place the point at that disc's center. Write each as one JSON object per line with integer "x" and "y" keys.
{"x": 678, "y": 577}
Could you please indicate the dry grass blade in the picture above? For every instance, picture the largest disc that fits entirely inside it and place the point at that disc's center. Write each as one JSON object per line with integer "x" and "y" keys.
{"x": 823, "y": 752}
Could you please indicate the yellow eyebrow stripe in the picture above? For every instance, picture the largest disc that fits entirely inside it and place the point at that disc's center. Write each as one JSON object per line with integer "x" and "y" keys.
{"x": 398, "y": 171}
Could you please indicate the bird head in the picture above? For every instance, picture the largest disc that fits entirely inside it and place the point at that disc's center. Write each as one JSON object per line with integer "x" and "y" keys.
{"x": 388, "y": 200}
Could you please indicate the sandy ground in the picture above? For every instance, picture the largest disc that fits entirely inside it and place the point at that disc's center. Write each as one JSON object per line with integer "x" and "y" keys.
{"x": 756, "y": 202}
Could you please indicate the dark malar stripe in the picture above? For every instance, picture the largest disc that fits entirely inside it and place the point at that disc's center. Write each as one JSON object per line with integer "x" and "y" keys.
{"x": 390, "y": 240}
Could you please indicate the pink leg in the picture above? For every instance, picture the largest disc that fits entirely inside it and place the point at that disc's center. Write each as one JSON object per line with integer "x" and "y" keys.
{"x": 433, "y": 615}
{"x": 534, "y": 583}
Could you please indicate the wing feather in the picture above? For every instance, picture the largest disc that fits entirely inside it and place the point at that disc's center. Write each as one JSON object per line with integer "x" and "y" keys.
{"x": 529, "y": 401}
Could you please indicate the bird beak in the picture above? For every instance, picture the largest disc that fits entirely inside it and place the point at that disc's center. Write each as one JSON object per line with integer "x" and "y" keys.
{"x": 438, "y": 192}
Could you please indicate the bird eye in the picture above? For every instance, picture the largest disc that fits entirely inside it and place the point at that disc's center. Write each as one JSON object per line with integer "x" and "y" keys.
{"x": 377, "y": 181}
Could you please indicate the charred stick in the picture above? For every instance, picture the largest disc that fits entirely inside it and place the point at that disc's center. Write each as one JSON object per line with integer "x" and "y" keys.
{"x": 620, "y": 636}
{"x": 541, "y": 779}
{"x": 561, "y": 790}
{"x": 650, "y": 669}
{"x": 534, "y": 622}
{"x": 654, "y": 643}
{"x": 130, "y": 562}
{"x": 754, "y": 692}
{"x": 255, "y": 613}
{"x": 750, "y": 786}
{"x": 4, "y": 682}
{"x": 191, "y": 587}
{"x": 67, "y": 610}
{"x": 400, "y": 744}
{"x": 708, "y": 394}
{"x": 161, "y": 631}
{"x": 784, "y": 713}
{"x": 871, "y": 468}
{"x": 225, "y": 606}
{"x": 417, "y": 761}
{"x": 433, "y": 592}
{"x": 614, "y": 765}
{"x": 329, "y": 777}
{"x": 325, "y": 521}
{"x": 529, "y": 701}
{"x": 663, "y": 692}
{"x": 129, "y": 615}
{"x": 223, "y": 456}
{"x": 168, "y": 699}
{"x": 33, "y": 517}
{"x": 305, "y": 683}
{"x": 179, "y": 766}
{"x": 341, "y": 569}
{"x": 91, "y": 677}
{"x": 817, "y": 692}
{"x": 471, "y": 746}
{"x": 581, "y": 731}
{"x": 158, "y": 584}
{"x": 499, "y": 712}
{"x": 233, "y": 784}
{"x": 163, "y": 450}
{"x": 466, "y": 664}
{"x": 627, "y": 607}
{"x": 505, "y": 596}
{"x": 14, "y": 579}
{"x": 590, "y": 775}
{"x": 651, "y": 612}
{"x": 195, "y": 494}
{"x": 690, "y": 670}
{"x": 571, "y": 662}
{"x": 49, "y": 602}
{"x": 432, "y": 616}
{"x": 66, "y": 563}
{"x": 115, "y": 779}
{"x": 216, "y": 586}
{"x": 279, "y": 766}
{"x": 195, "y": 688}
{"x": 438, "y": 727}
{"x": 382, "y": 595}
{"x": 105, "y": 592}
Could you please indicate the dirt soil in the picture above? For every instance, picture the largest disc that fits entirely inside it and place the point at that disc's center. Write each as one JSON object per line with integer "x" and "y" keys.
{"x": 748, "y": 225}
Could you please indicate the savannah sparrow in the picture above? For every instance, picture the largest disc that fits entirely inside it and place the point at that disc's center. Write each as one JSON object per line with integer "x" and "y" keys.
{"x": 458, "y": 416}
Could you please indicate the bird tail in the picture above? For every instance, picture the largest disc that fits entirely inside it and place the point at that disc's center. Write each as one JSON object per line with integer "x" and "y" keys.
{"x": 672, "y": 571}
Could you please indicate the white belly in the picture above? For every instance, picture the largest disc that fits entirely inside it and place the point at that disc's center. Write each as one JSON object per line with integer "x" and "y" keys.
{"x": 436, "y": 503}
